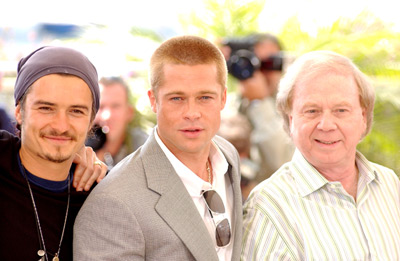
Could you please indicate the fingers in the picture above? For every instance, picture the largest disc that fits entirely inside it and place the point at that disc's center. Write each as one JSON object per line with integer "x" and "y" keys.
{"x": 103, "y": 169}
{"x": 81, "y": 164}
{"x": 85, "y": 182}
{"x": 99, "y": 170}
{"x": 88, "y": 170}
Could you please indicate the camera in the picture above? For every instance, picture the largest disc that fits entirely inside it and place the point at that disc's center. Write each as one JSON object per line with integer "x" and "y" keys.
{"x": 243, "y": 62}
{"x": 98, "y": 138}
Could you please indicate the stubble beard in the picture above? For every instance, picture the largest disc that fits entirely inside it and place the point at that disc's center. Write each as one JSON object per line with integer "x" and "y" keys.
{"x": 58, "y": 157}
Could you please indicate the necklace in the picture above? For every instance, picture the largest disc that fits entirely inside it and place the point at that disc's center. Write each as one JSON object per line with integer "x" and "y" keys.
{"x": 42, "y": 252}
{"x": 208, "y": 171}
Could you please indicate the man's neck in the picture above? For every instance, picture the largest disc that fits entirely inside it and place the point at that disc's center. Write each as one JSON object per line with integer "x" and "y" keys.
{"x": 196, "y": 161}
{"x": 197, "y": 164}
{"x": 347, "y": 177}
{"x": 45, "y": 169}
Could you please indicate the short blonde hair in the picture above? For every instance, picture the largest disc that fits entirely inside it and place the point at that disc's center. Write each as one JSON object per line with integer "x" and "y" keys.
{"x": 319, "y": 62}
{"x": 185, "y": 50}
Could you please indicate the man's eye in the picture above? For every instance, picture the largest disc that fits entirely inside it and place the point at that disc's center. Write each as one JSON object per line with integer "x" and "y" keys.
{"x": 206, "y": 97}
{"x": 76, "y": 111}
{"x": 45, "y": 108}
{"x": 311, "y": 111}
{"x": 176, "y": 99}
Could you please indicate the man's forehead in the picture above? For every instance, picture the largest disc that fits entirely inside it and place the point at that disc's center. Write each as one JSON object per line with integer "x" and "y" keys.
{"x": 54, "y": 86}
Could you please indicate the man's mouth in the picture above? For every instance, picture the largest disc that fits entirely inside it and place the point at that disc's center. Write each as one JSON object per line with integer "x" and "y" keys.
{"x": 57, "y": 136}
{"x": 326, "y": 142}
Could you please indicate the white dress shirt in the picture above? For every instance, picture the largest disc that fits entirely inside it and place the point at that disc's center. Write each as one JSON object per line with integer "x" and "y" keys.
{"x": 195, "y": 185}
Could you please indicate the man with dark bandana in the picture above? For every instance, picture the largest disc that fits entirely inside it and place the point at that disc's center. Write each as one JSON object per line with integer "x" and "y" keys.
{"x": 56, "y": 97}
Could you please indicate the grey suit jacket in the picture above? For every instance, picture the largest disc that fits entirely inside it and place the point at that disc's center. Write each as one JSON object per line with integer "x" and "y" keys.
{"x": 142, "y": 211}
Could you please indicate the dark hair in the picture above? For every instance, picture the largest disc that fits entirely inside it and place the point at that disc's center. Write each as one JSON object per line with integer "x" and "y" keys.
{"x": 263, "y": 37}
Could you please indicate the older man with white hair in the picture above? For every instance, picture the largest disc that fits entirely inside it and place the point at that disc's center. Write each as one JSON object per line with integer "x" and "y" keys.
{"x": 329, "y": 202}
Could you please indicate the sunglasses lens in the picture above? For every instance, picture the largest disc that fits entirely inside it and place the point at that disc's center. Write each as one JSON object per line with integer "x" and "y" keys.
{"x": 223, "y": 233}
{"x": 214, "y": 201}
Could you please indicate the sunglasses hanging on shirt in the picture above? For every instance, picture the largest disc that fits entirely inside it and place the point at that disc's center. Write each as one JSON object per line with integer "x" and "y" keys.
{"x": 216, "y": 207}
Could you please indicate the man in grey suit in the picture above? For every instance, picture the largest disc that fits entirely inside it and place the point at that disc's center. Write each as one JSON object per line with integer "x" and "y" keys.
{"x": 178, "y": 196}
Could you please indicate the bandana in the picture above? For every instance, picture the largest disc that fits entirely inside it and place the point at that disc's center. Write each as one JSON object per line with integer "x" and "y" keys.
{"x": 52, "y": 60}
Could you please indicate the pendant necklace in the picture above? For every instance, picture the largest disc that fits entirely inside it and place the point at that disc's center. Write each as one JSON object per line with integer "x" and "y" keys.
{"x": 209, "y": 172}
{"x": 42, "y": 252}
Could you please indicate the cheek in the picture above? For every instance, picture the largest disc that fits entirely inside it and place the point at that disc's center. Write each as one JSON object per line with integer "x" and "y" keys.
{"x": 154, "y": 107}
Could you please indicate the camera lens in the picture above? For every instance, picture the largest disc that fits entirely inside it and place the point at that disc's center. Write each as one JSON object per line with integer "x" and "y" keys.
{"x": 97, "y": 140}
{"x": 242, "y": 64}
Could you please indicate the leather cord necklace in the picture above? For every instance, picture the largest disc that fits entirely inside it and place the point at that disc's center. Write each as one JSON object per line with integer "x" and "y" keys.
{"x": 42, "y": 252}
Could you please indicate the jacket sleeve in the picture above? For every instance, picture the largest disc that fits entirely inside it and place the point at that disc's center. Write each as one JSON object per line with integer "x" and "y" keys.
{"x": 106, "y": 229}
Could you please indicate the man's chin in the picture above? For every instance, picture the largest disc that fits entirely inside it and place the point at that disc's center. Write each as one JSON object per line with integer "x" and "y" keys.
{"x": 56, "y": 158}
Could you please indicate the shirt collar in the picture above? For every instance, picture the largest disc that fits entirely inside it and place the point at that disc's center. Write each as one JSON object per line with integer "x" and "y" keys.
{"x": 193, "y": 183}
{"x": 309, "y": 180}
{"x": 367, "y": 170}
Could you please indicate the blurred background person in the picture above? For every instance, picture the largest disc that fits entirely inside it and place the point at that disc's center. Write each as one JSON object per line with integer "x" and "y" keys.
{"x": 236, "y": 129}
{"x": 257, "y": 62}
{"x": 6, "y": 121}
{"x": 117, "y": 134}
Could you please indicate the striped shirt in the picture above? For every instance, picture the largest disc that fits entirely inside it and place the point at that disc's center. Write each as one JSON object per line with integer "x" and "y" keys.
{"x": 297, "y": 214}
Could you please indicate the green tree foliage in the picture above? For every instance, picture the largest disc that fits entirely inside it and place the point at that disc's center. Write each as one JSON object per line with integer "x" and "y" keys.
{"x": 366, "y": 39}
{"x": 224, "y": 18}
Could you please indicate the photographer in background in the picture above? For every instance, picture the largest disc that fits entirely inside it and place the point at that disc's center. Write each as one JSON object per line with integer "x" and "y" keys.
{"x": 257, "y": 62}
{"x": 115, "y": 137}
{"x": 236, "y": 128}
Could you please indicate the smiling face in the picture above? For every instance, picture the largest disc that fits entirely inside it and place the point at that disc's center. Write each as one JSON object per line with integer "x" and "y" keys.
{"x": 327, "y": 120}
{"x": 55, "y": 119}
{"x": 188, "y": 107}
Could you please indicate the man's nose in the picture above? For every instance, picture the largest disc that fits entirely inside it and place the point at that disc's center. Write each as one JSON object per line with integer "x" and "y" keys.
{"x": 192, "y": 110}
{"x": 327, "y": 122}
{"x": 61, "y": 122}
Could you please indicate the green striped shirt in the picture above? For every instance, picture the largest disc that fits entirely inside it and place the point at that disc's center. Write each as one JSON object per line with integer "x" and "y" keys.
{"x": 297, "y": 214}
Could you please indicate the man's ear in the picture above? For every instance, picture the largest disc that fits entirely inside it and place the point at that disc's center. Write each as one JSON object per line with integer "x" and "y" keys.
{"x": 223, "y": 101}
{"x": 18, "y": 114}
{"x": 153, "y": 100}
{"x": 290, "y": 124}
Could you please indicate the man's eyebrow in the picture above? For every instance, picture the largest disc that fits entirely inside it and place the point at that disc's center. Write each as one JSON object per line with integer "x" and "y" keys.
{"x": 309, "y": 104}
{"x": 83, "y": 107}
{"x": 174, "y": 93}
{"x": 41, "y": 102}
{"x": 208, "y": 92}
{"x": 77, "y": 106}
{"x": 183, "y": 93}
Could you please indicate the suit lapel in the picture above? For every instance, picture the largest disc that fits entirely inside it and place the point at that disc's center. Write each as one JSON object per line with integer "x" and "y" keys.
{"x": 175, "y": 205}
{"x": 234, "y": 179}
